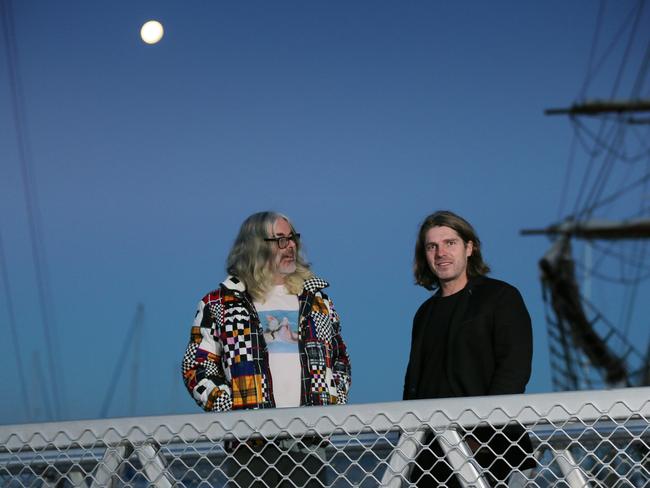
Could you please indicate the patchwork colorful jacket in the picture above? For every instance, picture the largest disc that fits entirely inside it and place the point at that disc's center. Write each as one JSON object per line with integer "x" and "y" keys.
{"x": 226, "y": 363}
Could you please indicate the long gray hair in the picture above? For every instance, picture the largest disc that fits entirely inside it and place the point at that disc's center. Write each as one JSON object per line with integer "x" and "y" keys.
{"x": 250, "y": 256}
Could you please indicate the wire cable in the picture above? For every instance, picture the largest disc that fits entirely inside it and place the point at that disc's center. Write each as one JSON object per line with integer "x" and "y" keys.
{"x": 621, "y": 156}
{"x": 585, "y": 184}
{"x": 133, "y": 331}
{"x": 597, "y": 186}
{"x": 628, "y": 48}
{"x": 567, "y": 176}
{"x": 31, "y": 202}
{"x": 610, "y": 198}
{"x": 18, "y": 351}
{"x": 605, "y": 183}
{"x": 643, "y": 70}
{"x": 608, "y": 50}
{"x": 592, "y": 51}
{"x": 602, "y": 177}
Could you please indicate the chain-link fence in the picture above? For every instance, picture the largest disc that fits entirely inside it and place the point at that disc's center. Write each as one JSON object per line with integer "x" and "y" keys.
{"x": 588, "y": 438}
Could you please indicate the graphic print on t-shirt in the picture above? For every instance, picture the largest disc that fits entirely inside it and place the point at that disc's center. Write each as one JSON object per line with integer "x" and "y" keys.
{"x": 278, "y": 315}
{"x": 280, "y": 330}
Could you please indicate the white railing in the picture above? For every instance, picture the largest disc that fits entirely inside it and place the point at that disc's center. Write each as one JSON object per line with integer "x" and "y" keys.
{"x": 587, "y": 438}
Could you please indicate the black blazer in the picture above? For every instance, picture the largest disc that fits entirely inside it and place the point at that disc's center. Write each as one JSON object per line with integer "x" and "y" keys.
{"x": 489, "y": 352}
{"x": 490, "y": 343}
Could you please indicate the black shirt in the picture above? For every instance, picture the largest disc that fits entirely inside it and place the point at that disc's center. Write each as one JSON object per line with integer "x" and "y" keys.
{"x": 434, "y": 381}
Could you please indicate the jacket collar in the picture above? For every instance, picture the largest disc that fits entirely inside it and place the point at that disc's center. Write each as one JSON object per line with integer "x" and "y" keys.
{"x": 233, "y": 283}
{"x": 314, "y": 284}
{"x": 474, "y": 282}
{"x": 311, "y": 285}
{"x": 471, "y": 284}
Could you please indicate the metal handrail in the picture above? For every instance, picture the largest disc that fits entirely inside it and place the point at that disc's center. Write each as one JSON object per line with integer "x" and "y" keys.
{"x": 92, "y": 452}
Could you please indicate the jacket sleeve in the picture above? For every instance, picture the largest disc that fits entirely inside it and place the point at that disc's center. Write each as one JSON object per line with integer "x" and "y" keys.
{"x": 341, "y": 368}
{"x": 409, "y": 392}
{"x": 412, "y": 369}
{"x": 513, "y": 344}
{"x": 203, "y": 373}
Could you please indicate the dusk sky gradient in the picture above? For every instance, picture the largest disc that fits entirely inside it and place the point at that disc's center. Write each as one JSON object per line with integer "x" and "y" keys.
{"x": 354, "y": 118}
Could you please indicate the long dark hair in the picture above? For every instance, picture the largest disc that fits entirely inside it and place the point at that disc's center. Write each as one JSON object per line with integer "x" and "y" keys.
{"x": 475, "y": 264}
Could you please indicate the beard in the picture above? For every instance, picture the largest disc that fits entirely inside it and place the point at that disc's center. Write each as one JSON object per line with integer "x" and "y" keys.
{"x": 287, "y": 268}
{"x": 285, "y": 263}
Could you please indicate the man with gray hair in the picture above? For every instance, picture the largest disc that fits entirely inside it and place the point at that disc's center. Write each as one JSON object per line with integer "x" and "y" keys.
{"x": 267, "y": 337}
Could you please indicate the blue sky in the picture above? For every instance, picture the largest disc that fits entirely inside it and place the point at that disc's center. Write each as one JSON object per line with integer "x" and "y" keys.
{"x": 357, "y": 119}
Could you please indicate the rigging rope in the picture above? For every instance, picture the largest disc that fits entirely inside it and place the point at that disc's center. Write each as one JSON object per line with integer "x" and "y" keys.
{"x": 592, "y": 51}
{"x": 18, "y": 351}
{"x": 56, "y": 379}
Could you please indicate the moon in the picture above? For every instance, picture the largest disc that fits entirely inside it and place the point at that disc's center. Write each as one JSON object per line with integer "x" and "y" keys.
{"x": 152, "y": 32}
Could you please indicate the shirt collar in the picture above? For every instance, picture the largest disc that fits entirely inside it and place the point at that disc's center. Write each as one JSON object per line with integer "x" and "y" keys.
{"x": 311, "y": 285}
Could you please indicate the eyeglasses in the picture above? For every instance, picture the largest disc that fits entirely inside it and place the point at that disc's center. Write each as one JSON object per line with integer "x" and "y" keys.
{"x": 283, "y": 241}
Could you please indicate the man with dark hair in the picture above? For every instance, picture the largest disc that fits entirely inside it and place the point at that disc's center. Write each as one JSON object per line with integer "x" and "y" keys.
{"x": 473, "y": 337}
{"x": 268, "y": 337}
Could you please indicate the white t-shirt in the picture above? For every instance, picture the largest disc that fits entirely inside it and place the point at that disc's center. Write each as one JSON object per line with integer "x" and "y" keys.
{"x": 279, "y": 321}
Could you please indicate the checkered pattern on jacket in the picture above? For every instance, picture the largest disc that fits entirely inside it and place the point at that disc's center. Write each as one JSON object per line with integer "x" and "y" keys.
{"x": 226, "y": 363}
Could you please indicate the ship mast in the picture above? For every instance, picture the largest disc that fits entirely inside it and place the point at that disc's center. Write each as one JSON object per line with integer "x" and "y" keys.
{"x": 578, "y": 332}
